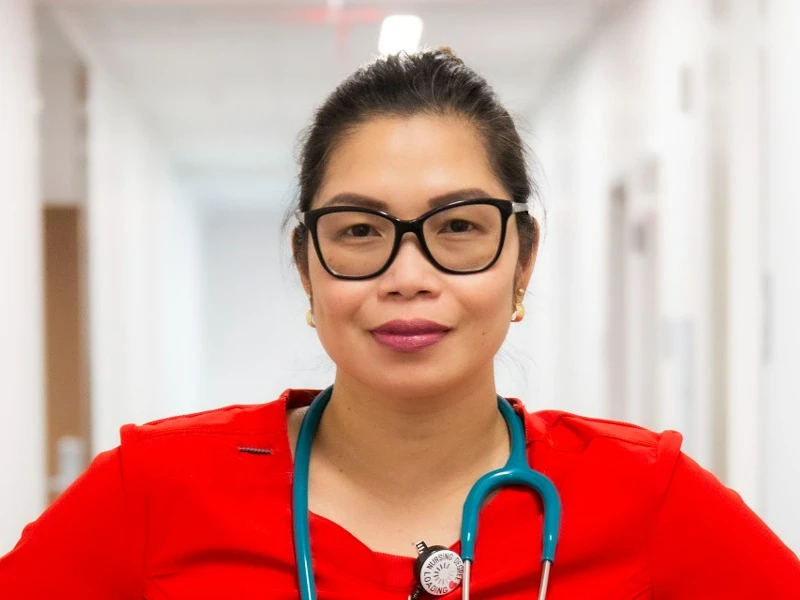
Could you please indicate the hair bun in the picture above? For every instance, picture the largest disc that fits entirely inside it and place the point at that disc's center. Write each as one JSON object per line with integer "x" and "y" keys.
{"x": 448, "y": 51}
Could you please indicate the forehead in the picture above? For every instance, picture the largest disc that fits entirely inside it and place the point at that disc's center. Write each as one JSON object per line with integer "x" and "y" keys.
{"x": 406, "y": 162}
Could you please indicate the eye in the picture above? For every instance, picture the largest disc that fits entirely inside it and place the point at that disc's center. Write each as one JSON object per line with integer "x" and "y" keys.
{"x": 360, "y": 230}
{"x": 457, "y": 226}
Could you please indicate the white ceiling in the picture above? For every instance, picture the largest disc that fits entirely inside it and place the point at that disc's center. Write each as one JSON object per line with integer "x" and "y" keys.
{"x": 227, "y": 86}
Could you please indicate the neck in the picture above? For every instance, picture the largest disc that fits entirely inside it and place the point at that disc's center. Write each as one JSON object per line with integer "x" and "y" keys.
{"x": 403, "y": 449}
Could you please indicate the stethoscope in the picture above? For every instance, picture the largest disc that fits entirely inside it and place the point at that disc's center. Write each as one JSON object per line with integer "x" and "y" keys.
{"x": 439, "y": 570}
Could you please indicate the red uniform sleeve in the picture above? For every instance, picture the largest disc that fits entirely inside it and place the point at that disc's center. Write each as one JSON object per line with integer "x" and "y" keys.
{"x": 708, "y": 544}
{"x": 87, "y": 544}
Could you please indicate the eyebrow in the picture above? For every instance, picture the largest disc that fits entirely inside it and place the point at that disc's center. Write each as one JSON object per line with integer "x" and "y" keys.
{"x": 360, "y": 200}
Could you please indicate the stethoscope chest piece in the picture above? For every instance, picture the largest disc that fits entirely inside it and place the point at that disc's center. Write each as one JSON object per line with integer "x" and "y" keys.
{"x": 438, "y": 570}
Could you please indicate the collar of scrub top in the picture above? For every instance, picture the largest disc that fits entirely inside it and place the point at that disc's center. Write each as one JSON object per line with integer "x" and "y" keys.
{"x": 516, "y": 471}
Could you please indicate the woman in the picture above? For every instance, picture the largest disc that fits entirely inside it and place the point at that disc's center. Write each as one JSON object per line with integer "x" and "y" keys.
{"x": 199, "y": 506}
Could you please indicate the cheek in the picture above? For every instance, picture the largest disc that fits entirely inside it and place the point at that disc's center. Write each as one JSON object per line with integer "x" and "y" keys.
{"x": 336, "y": 311}
{"x": 489, "y": 306}
{"x": 489, "y": 329}
{"x": 326, "y": 291}
{"x": 336, "y": 305}
{"x": 336, "y": 302}
{"x": 490, "y": 303}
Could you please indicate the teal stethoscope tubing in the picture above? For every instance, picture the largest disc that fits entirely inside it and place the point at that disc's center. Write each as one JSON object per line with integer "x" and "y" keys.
{"x": 515, "y": 472}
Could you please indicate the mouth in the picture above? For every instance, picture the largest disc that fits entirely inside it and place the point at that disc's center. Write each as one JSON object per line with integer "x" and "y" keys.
{"x": 409, "y": 336}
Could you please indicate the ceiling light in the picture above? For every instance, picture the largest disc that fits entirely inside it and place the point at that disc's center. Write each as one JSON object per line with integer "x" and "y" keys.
{"x": 400, "y": 33}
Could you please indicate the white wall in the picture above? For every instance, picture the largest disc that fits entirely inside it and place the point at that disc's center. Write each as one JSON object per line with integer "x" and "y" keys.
{"x": 780, "y": 402}
{"x": 22, "y": 491}
{"x": 671, "y": 83}
{"x": 144, "y": 273}
{"x": 611, "y": 115}
{"x": 257, "y": 340}
{"x": 62, "y": 129}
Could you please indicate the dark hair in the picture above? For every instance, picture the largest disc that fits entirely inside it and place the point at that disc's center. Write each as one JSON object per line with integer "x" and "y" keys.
{"x": 433, "y": 82}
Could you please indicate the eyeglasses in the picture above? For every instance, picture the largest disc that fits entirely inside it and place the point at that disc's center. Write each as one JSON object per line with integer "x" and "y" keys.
{"x": 460, "y": 238}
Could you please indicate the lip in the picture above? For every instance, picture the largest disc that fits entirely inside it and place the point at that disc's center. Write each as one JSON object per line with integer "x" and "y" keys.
{"x": 409, "y": 335}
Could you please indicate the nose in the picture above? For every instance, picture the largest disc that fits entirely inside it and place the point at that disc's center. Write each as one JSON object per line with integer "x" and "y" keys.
{"x": 411, "y": 274}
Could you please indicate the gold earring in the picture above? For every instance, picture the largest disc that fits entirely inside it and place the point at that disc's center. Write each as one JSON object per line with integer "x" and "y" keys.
{"x": 519, "y": 308}
{"x": 310, "y": 314}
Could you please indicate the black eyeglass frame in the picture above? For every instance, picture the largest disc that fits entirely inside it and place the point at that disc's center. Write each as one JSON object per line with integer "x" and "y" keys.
{"x": 507, "y": 208}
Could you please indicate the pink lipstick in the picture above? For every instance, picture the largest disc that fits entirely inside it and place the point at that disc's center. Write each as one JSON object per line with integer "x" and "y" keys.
{"x": 409, "y": 336}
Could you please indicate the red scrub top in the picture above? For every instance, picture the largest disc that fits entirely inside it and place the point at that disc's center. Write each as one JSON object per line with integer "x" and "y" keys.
{"x": 178, "y": 511}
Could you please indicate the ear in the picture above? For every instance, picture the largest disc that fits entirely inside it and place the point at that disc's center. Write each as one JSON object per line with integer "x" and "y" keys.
{"x": 300, "y": 258}
{"x": 524, "y": 272}
{"x": 306, "y": 283}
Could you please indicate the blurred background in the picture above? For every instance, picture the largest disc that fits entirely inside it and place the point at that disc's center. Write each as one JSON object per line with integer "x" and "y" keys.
{"x": 147, "y": 158}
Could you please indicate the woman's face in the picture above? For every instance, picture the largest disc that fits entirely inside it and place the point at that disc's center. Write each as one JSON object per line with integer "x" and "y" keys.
{"x": 404, "y": 163}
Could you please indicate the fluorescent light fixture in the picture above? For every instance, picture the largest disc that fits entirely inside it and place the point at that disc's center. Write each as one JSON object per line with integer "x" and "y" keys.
{"x": 400, "y": 33}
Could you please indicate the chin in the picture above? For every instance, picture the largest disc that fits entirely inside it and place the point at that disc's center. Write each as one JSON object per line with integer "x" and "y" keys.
{"x": 413, "y": 381}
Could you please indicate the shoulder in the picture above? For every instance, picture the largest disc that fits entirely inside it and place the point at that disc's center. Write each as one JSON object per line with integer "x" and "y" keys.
{"x": 200, "y": 427}
{"x": 210, "y": 443}
{"x": 234, "y": 420}
{"x": 604, "y": 450}
{"x": 571, "y": 432}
